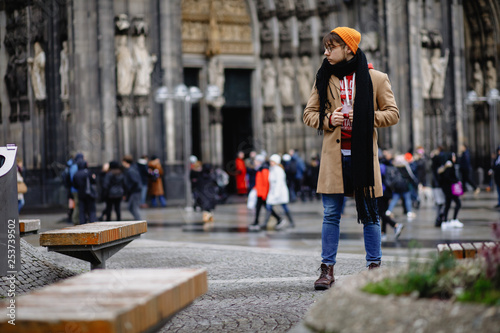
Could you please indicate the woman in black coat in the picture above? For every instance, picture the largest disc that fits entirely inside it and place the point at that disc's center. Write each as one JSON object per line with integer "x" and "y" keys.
{"x": 448, "y": 176}
{"x": 113, "y": 187}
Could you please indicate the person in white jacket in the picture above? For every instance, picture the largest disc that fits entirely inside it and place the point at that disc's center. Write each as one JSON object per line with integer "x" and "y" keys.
{"x": 278, "y": 191}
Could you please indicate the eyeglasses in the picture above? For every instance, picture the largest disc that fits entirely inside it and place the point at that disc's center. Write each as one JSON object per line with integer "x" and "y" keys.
{"x": 330, "y": 48}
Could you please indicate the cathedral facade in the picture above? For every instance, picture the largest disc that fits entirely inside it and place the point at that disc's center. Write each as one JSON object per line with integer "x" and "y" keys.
{"x": 81, "y": 76}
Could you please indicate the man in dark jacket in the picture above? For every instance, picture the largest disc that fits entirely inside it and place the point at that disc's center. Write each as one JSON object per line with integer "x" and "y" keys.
{"x": 466, "y": 169}
{"x": 83, "y": 182}
{"x": 132, "y": 186}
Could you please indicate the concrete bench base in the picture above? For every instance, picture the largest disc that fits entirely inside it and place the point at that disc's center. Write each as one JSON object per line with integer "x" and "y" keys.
{"x": 93, "y": 242}
{"x": 29, "y": 226}
{"x": 105, "y": 301}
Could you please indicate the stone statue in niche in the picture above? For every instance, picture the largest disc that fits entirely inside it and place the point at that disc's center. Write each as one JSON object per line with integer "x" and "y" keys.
{"x": 478, "y": 79}
{"x": 305, "y": 39}
{"x": 144, "y": 65}
{"x": 37, "y": 66}
{"x": 266, "y": 40}
{"x": 216, "y": 77}
{"x": 491, "y": 75}
{"x": 125, "y": 69}
{"x": 64, "y": 72}
{"x": 439, "y": 65}
{"x": 285, "y": 49}
{"x": 305, "y": 78}
{"x": 269, "y": 83}
{"x": 286, "y": 82}
{"x": 21, "y": 64}
{"x": 425, "y": 64}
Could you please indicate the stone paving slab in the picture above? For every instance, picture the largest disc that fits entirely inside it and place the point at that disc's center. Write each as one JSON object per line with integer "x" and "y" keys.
{"x": 249, "y": 289}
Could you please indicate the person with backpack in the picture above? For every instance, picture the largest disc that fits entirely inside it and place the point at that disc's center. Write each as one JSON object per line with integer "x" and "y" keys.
{"x": 113, "y": 188}
{"x": 400, "y": 178}
{"x": 383, "y": 204}
{"x": 132, "y": 184}
{"x": 84, "y": 182}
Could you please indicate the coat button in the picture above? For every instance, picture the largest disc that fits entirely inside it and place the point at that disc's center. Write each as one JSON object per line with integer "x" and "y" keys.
{"x": 338, "y": 141}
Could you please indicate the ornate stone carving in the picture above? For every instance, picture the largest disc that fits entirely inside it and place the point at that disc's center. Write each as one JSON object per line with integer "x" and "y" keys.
{"x": 16, "y": 76}
{"x": 439, "y": 65}
{"x": 305, "y": 39}
{"x": 206, "y": 24}
{"x": 425, "y": 64}
{"x": 305, "y": 78}
{"x": 268, "y": 83}
{"x": 302, "y": 9}
{"x": 285, "y": 49}
{"x": 284, "y": 9}
{"x": 266, "y": 40}
{"x": 214, "y": 36}
{"x": 286, "y": 82}
{"x": 140, "y": 27}
{"x": 37, "y": 67}
{"x": 64, "y": 72}
{"x": 478, "y": 79}
{"x": 124, "y": 67}
{"x": 216, "y": 77}
{"x": 144, "y": 64}
{"x": 433, "y": 66}
{"x": 491, "y": 75}
{"x": 122, "y": 24}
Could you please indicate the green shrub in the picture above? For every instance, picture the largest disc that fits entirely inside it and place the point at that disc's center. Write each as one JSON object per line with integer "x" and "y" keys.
{"x": 471, "y": 280}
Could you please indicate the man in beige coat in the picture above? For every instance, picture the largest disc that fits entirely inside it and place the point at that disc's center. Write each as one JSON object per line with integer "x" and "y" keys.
{"x": 349, "y": 100}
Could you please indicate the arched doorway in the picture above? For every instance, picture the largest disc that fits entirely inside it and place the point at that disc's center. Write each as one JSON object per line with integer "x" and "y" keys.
{"x": 482, "y": 42}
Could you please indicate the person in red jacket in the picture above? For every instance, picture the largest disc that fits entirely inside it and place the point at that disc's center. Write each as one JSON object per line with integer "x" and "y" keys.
{"x": 240, "y": 173}
{"x": 262, "y": 187}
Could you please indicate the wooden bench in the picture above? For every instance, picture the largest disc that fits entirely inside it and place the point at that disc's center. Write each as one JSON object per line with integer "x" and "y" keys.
{"x": 107, "y": 301}
{"x": 93, "y": 242}
{"x": 464, "y": 250}
{"x": 27, "y": 227}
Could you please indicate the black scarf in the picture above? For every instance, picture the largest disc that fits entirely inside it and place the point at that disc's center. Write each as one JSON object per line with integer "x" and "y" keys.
{"x": 362, "y": 128}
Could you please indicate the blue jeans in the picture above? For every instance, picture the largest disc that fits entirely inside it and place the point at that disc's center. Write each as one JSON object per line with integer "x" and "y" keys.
{"x": 20, "y": 204}
{"x": 134, "y": 202}
{"x": 330, "y": 234}
{"x": 395, "y": 199}
{"x": 498, "y": 192}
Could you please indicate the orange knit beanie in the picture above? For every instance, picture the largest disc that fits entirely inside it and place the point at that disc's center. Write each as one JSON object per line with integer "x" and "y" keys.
{"x": 350, "y": 36}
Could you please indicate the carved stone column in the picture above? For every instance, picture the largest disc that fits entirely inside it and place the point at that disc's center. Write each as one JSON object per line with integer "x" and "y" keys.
{"x": 107, "y": 80}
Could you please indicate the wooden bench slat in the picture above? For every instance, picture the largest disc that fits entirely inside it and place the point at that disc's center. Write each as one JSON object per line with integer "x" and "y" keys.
{"x": 469, "y": 250}
{"x": 457, "y": 250}
{"x": 129, "y": 300}
{"x": 96, "y": 233}
{"x": 443, "y": 247}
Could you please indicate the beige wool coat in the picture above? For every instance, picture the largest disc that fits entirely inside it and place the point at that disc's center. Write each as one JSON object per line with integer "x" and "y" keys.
{"x": 386, "y": 114}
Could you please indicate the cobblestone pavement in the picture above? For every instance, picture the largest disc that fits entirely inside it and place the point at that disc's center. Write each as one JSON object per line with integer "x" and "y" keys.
{"x": 263, "y": 281}
{"x": 250, "y": 289}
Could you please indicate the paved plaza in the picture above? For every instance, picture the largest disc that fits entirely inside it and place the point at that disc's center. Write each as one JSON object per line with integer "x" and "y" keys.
{"x": 263, "y": 281}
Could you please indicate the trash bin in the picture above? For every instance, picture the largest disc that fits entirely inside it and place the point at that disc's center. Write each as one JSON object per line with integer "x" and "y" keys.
{"x": 10, "y": 254}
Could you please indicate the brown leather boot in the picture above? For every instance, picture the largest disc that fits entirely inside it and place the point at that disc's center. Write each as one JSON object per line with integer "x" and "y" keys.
{"x": 326, "y": 278}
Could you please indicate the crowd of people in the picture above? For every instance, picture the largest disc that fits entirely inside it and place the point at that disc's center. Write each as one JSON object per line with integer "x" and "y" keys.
{"x": 129, "y": 180}
{"x": 275, "y": 181}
